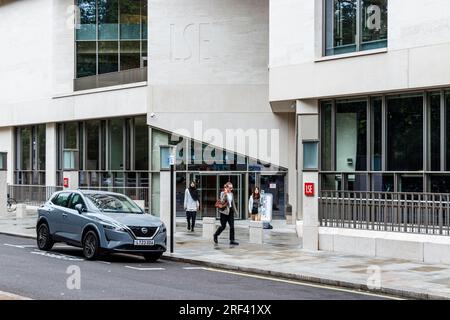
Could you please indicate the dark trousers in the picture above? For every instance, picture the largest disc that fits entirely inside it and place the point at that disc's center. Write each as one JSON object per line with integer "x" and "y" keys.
{"x": 190, "y": 216}
{"x": 223, "y": 223}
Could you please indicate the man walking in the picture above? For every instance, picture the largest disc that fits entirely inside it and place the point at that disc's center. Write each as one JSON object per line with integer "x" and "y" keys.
{"x": 227, "y": 213}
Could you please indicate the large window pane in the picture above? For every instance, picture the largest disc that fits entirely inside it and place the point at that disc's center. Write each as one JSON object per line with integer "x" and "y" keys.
{"x": 376, "y": 134}
{"x": 87, "y": 29}
{"x": 116, "y": 144}
{"x": 409, "y": 183}
{"x": 340, "y": 26}
{"x": 130, "y": 55}
{"x": 141, "y": 143}
{"x": 108, "y": 20}
{"x": 40, "y": 132}
{"x": 70, "y": 135}
{"x": 351, "y": 136}
{"x": 325, "y": 137}
{"x": 25, "y": 150}
{"x": 144, "y": 13}
{"x": 373, "y": 24}
{"x": 130, "y": 19}
{"x": 86, "y": 58}
{"x": 108, "y": 57}
{"x": 92, "y": 138}
{"x": 440, "y": 183}
{"x": 447, "y": 120}
{"x": 405, "y": 133}
{"x": 383, "y": 182}
{"x": 434, "y": 134}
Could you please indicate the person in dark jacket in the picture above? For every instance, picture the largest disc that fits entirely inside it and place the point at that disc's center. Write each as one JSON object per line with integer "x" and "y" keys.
{"x": 227, "y": 213}
{"x": 191, "y": 205}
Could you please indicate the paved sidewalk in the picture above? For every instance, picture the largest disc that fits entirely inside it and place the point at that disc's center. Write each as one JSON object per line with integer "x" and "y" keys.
{"x": 281, "y": 256}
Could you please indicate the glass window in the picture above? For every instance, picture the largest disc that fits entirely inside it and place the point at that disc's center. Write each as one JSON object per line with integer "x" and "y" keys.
{"x": 88, "y": 11}
{"x": 356, "y": 182}
{"x": 373, "y": 24}
{"x": 93, "y": 143}
{"x": 310, "y": 155}
{"x": 377, "y": 134}
{"x": 434, "y": 132}
{"x": 108, "y": 56}
{"x": 86, "y": 58}
{"x": 116, "y": 142}
{"x": 405, "y": 133}
{"x": 347, "y": 31}
{"x": 76, "y": 199}
{"x": 63, "y": 199}
{"x": 410, "y": 183}
{"x": 447, "y": 120}
{"x": 331, "y": 182}
{"x": 383, "y": 182}
{"x": 70, "y": 135}
{"x": 130, "y": 19}
{"x": 351, "y": 136}
{"x": 325, "y": 142}
{"x": 25, "y": 150}
{"x": 108, "y": 28}
{"x": 440, "y": 183}
{"x": 141, "y": 143}
{"x": 144, "y": 22}
{"x": 130, "y": 55}
{"x": 40, "y": 132}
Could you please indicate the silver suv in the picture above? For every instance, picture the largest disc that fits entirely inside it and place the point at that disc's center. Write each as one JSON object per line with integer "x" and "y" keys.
{"x": 100, "y": 222}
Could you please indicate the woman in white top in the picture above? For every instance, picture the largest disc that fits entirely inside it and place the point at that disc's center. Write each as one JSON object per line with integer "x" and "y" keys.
{"x": 191, "y": 205}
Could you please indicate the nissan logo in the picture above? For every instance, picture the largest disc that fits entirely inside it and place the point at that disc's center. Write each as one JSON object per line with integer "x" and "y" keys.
{"x": 144, "y": 230}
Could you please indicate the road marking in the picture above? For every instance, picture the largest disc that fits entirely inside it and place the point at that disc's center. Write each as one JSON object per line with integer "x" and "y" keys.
{"x": 104, "y": 262}
{"x": 56, "y": 256}
{"x": 306, "y": 284}
{"x": 145, "y": 269}
{"x": 21, "y": 246}
{"x": 194, "y": 268}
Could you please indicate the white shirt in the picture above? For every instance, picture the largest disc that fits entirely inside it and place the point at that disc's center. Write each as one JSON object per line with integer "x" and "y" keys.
{"x": 230, "y": 199}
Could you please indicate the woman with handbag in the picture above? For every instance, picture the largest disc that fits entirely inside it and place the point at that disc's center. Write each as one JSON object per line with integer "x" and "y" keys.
{"x": 226, "y": 206}
{"x": 254, "y": 204}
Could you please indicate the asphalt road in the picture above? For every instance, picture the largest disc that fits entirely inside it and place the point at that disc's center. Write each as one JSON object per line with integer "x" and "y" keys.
{"x": 26, "y": 271}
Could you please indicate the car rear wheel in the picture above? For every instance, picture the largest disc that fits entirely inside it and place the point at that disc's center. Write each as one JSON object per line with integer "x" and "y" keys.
{"x": 152, "y": 257}
{"x": 91, "y": 245}
{"x": 44, "y": 240}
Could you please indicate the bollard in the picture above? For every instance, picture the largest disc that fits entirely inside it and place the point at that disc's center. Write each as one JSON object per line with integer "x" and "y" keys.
{"x": 209, "y": 227}
{"x": 21, "y": 210}
{"x": 256, "y": 232}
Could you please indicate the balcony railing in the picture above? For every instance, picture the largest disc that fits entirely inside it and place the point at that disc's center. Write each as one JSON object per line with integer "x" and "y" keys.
{"x": 423, "y": 213}
{"x": 110, "y": 79}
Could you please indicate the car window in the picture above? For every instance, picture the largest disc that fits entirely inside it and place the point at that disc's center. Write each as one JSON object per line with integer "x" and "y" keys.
{"x": 113, "y": 203}
{"x": 62, "y": 200}
{"x": 74, "y": 200}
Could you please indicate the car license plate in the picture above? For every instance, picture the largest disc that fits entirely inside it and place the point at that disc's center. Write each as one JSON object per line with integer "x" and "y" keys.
{"x": 144, "y": 242}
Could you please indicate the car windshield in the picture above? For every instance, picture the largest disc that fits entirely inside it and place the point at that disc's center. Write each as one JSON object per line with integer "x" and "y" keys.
{"x": 113, "y": 203}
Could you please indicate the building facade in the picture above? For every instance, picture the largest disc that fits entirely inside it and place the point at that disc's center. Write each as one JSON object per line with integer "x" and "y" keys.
{"x": 349, "y": 97}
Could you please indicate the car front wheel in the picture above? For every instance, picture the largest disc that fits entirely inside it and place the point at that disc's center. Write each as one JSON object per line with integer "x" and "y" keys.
{"x": 152, "y": 257}
{"x": 44, "y": 240}
{"x": 91, "y": 245}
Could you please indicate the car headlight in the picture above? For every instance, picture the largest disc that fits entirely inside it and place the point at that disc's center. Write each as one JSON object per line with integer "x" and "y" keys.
{"x": 163, "y": 228}
{"x": 113, "y": 227}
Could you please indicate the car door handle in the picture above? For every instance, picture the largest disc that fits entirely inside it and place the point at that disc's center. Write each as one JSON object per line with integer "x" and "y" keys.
{"x": 64, "y": 215}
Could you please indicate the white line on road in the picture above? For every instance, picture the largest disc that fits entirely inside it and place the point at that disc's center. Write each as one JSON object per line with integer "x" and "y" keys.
{"x": 21, "y": 246}
{"x": 56, "y": 256}
{"x": 303, "y": 283}
{"x": 194, "y": 268}
{"x": 104, "y": 262}
{"x": 144, "y": 269}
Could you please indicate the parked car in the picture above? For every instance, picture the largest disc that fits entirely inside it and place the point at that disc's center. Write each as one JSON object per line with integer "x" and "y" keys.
{"x": 100, "y": 222}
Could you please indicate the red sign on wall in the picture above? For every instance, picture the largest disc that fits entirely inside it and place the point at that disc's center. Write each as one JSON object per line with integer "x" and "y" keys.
{"x": 66, "y": 183}
{"x": 309, "y": 189}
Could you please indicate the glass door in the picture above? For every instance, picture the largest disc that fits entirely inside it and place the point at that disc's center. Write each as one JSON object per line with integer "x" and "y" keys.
{"x": 274, "y": 184}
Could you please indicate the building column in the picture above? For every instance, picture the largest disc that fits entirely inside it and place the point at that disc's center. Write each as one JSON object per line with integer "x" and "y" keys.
{"x": 292, "y": 172}
{"x": 308, "y": 216}
{"x": 7, "y": 145}
{"x": 50, "y": 154}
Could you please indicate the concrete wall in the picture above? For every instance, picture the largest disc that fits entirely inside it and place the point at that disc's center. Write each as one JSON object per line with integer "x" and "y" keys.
{"x": 418, "y": 38}
{"x": 209, "y": 66}
{"x": 7, "y": 145}
{"x": 417, "y": 247}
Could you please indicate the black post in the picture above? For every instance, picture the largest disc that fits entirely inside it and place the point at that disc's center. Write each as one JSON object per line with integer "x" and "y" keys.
{"x": 172, "y": 169}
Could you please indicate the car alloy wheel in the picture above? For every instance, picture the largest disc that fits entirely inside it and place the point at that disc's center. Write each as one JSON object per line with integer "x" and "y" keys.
{"x": 90, "y": 245}
{"x": 44, "y": 240}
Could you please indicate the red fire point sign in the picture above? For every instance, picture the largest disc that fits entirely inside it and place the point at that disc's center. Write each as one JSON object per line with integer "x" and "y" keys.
{"x": 309, "y": 189}
{"x": 66, "y": 182}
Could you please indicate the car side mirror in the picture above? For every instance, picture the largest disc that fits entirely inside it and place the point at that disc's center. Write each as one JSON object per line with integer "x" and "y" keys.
{"x": 80, "y": 208}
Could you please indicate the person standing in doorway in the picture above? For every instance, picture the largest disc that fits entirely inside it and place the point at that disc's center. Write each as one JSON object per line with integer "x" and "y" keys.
{"x": 227, "y": 213}
{"x": 191, "y": 205}
{"x": 254, "y": 204}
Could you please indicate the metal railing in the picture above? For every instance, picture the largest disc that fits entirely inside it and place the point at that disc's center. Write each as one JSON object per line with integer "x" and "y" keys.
{"x": 110, "y": 79}
{"x": 135, "y": 193}
{"x": 423, "y": 213}
{"x": 32, "y": 195}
